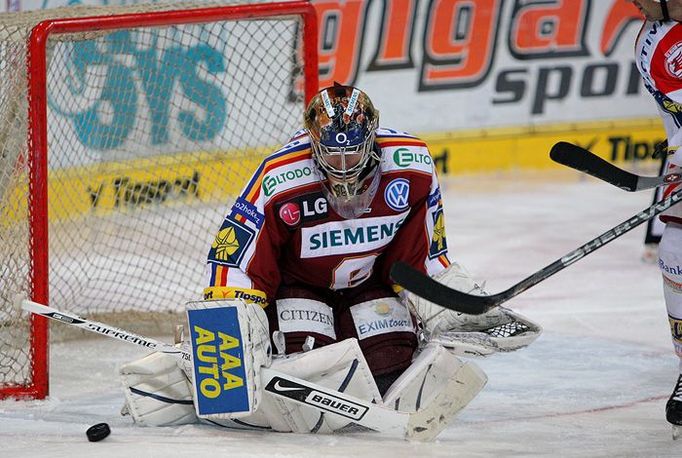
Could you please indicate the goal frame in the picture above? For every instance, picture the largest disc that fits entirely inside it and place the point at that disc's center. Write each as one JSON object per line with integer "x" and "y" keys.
{"x": 38, "y": 388}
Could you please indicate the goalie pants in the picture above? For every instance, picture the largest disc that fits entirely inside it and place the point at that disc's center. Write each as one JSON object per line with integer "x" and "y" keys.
{"x": 372, "y": 313}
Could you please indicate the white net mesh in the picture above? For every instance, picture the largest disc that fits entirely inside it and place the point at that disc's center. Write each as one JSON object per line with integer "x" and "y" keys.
{"x": 152, "y": 132}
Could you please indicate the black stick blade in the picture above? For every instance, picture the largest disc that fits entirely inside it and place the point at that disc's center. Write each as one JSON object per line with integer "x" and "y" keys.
{"x": 585, "y": 161}
{"x": 426, "y": 287}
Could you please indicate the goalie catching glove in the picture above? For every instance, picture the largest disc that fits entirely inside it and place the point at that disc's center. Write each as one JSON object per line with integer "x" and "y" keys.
{"x": 498, "y": 330}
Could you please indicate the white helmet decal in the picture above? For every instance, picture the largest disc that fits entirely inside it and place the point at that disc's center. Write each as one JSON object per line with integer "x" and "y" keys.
{"x": 328, "y": 104}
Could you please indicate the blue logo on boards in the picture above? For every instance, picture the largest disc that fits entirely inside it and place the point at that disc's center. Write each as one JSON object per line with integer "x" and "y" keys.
{"x": 119, "y": 88}
{"x": 397, "y": 194}
{"x": 218, "y": 354}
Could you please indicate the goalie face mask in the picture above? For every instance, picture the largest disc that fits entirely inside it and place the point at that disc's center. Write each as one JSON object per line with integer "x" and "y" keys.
{"x": 341, "y": 122}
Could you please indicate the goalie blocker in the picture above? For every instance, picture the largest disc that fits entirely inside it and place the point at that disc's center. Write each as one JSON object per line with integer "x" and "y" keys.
{"x": 235, "y": 382}
{"x": 229, "y": 344}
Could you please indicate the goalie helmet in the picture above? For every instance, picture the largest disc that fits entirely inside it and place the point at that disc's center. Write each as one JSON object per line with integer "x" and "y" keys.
{"x": 341, "y": 122}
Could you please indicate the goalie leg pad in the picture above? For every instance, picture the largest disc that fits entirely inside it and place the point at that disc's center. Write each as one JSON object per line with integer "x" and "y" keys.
{"x": 437, "y": 386}
{"x": 426, "y": 377}
{"x": 230, "y": 343}
{"x": 157, "y": 391}
{"x": 340, "y": 366}
{"x": 300, "y": 315}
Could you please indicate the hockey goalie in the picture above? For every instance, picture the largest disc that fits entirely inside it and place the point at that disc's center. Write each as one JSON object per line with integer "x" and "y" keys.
{"x": 298, "y": 283}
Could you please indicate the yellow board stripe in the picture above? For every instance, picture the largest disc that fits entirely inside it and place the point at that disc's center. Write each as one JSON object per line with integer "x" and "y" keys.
{"x": 201, "y": 177}
{"x": 489, "y": 150}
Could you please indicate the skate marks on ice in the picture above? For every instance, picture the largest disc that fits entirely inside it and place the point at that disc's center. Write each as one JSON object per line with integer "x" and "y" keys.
{"x": 594, "y": 384}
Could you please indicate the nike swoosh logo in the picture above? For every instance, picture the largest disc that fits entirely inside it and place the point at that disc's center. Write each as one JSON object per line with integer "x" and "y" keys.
{"x": 277, "y": 386}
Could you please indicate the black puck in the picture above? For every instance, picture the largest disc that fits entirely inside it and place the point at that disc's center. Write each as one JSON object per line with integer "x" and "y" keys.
{"x": 98, "y": 432}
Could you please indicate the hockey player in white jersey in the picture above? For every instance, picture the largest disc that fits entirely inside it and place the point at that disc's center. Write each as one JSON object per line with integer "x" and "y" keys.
{"x": 302, "y": 259}
{"x": 659, "y": 58}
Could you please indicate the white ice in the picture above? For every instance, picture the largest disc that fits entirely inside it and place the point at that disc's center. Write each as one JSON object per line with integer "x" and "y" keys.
{"x": 594, "y": 384}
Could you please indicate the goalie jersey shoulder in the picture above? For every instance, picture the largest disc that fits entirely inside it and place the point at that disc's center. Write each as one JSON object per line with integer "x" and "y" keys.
{"x": 402, "y": 152}
{"x": 289, "y": 167}
{"x": 292, "y": 165}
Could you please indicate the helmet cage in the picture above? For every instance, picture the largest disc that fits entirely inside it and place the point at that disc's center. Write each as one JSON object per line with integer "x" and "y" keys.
{"x": 342, "y": 123}
{"x": 323, "y": 154}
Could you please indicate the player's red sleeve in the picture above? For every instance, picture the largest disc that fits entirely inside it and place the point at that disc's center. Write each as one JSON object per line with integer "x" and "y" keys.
{"x": 421, "y": 240}
{"x": 242, "y": 260}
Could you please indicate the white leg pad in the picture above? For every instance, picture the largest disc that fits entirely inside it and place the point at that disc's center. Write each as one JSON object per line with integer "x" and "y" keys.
{"x": 229, "y": 344}
{"x": 437, "y": 385}
{"x": 340, "y": 366}
{"x": 157, "y": 391}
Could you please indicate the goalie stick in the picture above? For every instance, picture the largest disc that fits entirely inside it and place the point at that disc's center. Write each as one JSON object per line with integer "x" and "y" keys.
{"x": 102, "y": 329}
{"x": 585, "y": 161}
{"x": 423, "y": 425}
{"x": 426, "y": 287}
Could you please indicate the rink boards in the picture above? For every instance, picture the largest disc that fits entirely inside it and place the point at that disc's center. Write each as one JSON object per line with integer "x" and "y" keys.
{"x": 202, "y": 177}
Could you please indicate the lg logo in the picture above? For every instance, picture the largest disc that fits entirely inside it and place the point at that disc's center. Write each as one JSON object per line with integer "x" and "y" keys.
{"x": 318, "y": 207}
{"x": 307, "y": 208}
{"x": 290, "y": 214}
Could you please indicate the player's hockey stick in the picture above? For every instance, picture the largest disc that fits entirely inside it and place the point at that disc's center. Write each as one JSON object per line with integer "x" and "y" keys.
{"x": 423, "y": 425}
{"x": 429, "y": 289}
{"x": 585, "y": 161}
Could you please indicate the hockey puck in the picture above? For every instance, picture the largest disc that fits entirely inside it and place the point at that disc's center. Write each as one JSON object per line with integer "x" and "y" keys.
{"x": 98, "y": 432}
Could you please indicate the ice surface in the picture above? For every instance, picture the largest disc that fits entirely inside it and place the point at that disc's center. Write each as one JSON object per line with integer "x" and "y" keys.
{"x": 594, "y": 384}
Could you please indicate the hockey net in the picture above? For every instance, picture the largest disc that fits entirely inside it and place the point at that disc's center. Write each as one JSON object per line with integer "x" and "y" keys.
{"x": 125, "y": 135}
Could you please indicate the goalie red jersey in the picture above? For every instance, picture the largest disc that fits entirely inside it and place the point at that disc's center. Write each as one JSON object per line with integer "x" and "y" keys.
{"x": 282, "y": 231}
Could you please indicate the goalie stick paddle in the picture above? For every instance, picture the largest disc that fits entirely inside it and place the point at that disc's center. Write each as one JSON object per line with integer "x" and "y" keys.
{"x": 426, "y": 287}
{"x": 587, "y": 162}
{"x": 423, "y": 425}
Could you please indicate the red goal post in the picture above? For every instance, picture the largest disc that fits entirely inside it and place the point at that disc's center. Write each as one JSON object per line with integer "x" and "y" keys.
{"x": 127, "y": 183}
